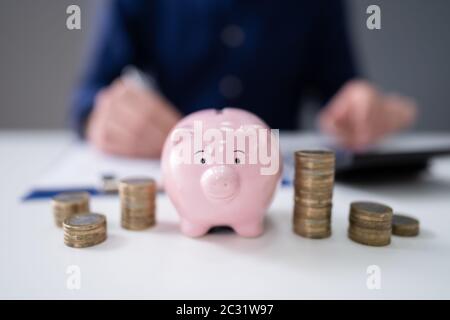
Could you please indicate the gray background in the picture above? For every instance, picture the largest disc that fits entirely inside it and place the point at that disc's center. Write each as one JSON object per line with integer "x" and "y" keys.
{"x": 40, "y": 58}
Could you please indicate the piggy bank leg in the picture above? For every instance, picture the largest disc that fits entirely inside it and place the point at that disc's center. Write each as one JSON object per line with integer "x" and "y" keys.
{"x": 250, "y": 229}
{"x": 191, "y": 229}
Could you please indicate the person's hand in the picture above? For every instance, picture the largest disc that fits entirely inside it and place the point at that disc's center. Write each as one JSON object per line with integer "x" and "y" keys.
{"x": 360, "y": 115}
{"x": 131, "y": 121}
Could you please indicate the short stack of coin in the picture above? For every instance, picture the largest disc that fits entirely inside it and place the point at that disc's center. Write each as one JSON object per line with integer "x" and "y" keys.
{"x": 68, "y": 204}
{"x": 109, "y": 184}
{"x": 370, "y": 223}
{"x": 84, "y": 230}
{"x": 138, "y": 197}
{"x": 313, "y": 183}
{"x": 404, "y": 226}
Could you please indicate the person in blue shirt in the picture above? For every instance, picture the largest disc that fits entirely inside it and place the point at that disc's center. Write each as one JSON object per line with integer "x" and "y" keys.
{"x": 259, "y": 55}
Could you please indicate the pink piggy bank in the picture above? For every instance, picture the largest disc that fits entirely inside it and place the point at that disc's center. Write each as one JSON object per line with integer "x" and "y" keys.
{"x": 221, "y": 168}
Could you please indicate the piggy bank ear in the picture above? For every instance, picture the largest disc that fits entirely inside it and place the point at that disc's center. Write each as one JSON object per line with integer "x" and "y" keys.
{"x": 181, "y": 134}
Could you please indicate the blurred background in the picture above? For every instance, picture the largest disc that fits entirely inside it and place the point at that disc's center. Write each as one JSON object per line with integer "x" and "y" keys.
{"x": 41, "y": 58}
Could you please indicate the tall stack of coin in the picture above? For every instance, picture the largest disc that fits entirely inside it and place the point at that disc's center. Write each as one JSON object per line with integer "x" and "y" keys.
{"x": 370, "y": 223}
{"x": 84, "y": 230}
{"x": 69, "y": 203}
{"x": 313, "y": 183}
{"x": 138, "y": 197}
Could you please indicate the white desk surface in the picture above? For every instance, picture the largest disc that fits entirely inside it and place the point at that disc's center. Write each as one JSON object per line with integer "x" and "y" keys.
{"x": 162, "y": 263}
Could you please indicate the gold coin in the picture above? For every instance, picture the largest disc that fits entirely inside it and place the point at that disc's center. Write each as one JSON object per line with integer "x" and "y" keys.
{"x": 137, "y": 184}
{"x": 370, "y": 207}
{"x": 138, "y": 205}
{"x": 308, "y": 227}
{"x": 370, "y": 241}
{"x": 321, "y": 183}
{"x": 315, "y": 154}
{"x": 71, "y": 197}
{"x": 76, "y": 244}
{"x": 315, "y": 165}
{"x": 310, "y": 179}
{"x": 130, "y": 225}
{"x": 314, "y": 173}
{"x": 326, "y": 186}
{"x": 322, "y": 234}
{"x": 314, "y": 188}
{"x": 314, "y": 203}
{"x": 133, "y": 195}
{"x": 370, "y": 232}
{"x": 318, "y": 181}
{"x": 87, "y": 233}
{"x": 136, "y": 198}
{"x": 136, "y": 221}
{"x": 370, "y": 211}
{"x": 84, "y": 222}
{"x": 84, "y": 238}
{"x": 312, "y": 213}
{"x": 138, "y": 215}
{"x": 312, "y": 223}
{"x": 313, "y": 194}
{"x": 368, "y": 224}
{"x": 70, "y": 206}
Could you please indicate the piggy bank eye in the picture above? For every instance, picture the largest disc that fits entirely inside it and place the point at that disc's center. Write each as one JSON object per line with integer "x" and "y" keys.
{"x": 239, "y": 156}
{"x": 199, "y": 157}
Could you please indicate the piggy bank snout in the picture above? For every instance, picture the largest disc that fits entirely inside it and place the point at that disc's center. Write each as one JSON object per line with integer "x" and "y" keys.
{"x": 220, "y": 182}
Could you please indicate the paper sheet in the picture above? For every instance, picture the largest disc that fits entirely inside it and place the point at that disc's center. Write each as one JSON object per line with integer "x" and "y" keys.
{"x": 82, "y": 166}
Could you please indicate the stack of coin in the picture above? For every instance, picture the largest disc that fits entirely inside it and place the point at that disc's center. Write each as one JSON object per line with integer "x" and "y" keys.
{"x": 138, "y": 196}
{"x": 405, "y": 226}
{"x": 313, "y": 183}
{"x": 70, "y": 203}
{"x": 370, "y": 223}
{"x": 109, "y": 184}
{"x": 84, "y": 230}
